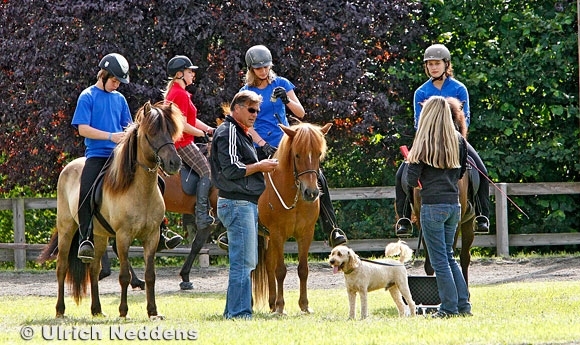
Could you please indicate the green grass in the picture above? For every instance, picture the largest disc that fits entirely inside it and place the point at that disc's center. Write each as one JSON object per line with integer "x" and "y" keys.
{"x": 515, "y": 313}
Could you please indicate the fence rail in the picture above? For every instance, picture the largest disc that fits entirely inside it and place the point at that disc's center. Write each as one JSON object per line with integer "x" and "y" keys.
{"x": 20, "y": 251}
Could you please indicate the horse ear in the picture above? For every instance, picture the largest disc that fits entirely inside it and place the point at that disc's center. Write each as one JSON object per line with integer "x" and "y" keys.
{"x": 326, "y": 128}
{"x": 289, "y": 131}
{"x": 147, "y": 107}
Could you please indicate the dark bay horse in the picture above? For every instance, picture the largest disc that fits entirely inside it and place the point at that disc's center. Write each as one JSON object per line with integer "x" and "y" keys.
{"x": 289, "y": 207}
{"x": 131, "y": 205}
{"x": 465, "y": 226}
{"x": 176, "y": 200}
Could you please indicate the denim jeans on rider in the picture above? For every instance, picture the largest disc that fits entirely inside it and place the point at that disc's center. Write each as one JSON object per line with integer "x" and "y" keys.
{"x": 240, "y": 217}
{"x": 439, "y": 223}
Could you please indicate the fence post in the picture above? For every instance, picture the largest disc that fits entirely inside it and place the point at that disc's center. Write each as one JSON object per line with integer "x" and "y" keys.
{"x": 501, "y": 219}
{"x": 19, "y": 238}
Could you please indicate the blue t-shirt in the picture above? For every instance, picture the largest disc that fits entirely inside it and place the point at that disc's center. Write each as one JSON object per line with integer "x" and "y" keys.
{"x": 107, "y": 111}
{"x": 266, "y": 124}
{"x": 451, "y": 88}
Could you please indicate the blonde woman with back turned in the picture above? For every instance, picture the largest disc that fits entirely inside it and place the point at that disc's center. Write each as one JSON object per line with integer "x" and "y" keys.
{"x": 438, "y": 159}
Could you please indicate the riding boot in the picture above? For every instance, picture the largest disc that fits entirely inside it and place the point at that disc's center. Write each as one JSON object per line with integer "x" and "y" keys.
{"x": 482, "y": 207}
{"x": 327, "y": 218}
{"x": 403, "y": 202}
{"x": 165, "y": 242}
{"x": 202, "y": 216}
{"x": 86, "y": 251}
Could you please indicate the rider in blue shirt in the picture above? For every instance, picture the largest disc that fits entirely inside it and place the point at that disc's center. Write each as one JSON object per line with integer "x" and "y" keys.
{"x": 441, "y": 82}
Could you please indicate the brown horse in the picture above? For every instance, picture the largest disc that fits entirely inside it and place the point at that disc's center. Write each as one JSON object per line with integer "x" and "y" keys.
{"x": 131, "y": 206}
{"x": 289, "y": 207}
{"x": 176, "y": 200}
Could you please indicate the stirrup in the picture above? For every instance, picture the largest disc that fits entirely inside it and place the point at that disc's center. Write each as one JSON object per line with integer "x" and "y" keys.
{"x": 86, "y": 255}
{"x": 408, "y": 232}
{"x": 337, "y": 237}
{"x": 222, "y": 241}
{"x": 481, "y": 230}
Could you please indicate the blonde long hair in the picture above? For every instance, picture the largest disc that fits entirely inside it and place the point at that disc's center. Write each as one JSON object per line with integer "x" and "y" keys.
{"x": 436, "y": 142}
{"x": 253, "y": 80}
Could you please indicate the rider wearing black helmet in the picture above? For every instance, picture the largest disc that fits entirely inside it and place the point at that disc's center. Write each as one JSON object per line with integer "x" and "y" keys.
{"x": 438, "y": 67}
{"x": 101, "y": 115}
{"x": 182, "y": 73}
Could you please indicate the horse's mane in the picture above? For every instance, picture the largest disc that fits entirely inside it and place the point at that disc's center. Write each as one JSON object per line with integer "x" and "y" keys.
{"x": 161, "y": 118}
{"x": 458, "y": 115}
{"x": 307, "y": 136}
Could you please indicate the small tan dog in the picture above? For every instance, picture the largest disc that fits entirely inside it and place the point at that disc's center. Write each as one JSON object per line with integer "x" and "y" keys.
{"x": 365, "y": 276}
{"x": 400, "y": 249}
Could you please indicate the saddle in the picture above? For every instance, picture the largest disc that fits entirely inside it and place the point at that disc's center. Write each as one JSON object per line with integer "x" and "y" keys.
{"x": 96, "y": 197}
{"x": 472, "y": 173}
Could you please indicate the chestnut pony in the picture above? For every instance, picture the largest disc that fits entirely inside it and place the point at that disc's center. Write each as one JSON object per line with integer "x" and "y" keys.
{"x": 131, "y": 206}
{"x": 289, "y": 207}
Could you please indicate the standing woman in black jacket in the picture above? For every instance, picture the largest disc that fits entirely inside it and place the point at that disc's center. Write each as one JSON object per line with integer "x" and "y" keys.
{"x": 437, "y": 161}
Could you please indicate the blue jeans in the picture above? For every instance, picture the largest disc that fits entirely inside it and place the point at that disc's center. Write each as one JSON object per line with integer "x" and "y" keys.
{"x": 240, "y": 218}
{"x": 439, "y": 223}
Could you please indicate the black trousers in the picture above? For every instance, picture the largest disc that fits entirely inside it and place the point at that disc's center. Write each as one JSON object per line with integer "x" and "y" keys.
{"x": 91, "y": 171}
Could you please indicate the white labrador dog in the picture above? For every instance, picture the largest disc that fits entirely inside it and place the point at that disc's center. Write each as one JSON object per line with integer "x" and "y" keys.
{"x": 363, "y": 276}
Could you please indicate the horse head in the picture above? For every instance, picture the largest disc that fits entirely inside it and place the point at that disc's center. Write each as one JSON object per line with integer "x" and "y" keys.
{"x": 304, "y": 146}
{"x": 160, "y": 125}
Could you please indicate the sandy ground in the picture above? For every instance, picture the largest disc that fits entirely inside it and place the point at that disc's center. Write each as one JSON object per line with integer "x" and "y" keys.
{"x": 214, "y": 279}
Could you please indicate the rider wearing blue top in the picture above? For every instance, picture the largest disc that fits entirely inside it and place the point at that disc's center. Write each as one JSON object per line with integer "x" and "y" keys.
{"x": 271, "y": 113}
{"x": 441, "y": 82}
{"x": 278, "y": 94}
{"x": 101, "y": 115}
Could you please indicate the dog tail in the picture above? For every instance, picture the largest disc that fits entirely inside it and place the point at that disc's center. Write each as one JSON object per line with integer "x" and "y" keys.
{"x": 400, "y": 249}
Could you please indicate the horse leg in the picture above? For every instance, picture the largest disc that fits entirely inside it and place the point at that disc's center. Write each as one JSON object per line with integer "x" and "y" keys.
{"x": 124, "y": 278}
{"x": 200, "y": 240}
{"x": 274, "y": 273}
{"x": 467, "y": 237}
{"x": 95, "y": 270}
{"x": 278, "y": 283}
{"x": 303, "y": 249}
{"x": 61, "y": 269}
{"x": 149, "y": 255}
{"x": 136, "y": 283}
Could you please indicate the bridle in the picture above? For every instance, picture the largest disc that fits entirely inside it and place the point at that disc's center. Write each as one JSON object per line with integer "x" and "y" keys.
{"x": 156, "y": 153}
{"x": 296, "y": 183}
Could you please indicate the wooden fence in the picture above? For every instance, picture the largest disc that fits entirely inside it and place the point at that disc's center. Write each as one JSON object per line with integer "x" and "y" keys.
{"x": 20, "y": 251}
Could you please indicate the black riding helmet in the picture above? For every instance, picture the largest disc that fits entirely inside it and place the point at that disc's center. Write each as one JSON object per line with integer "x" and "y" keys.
{"x": 179, "y": 63}
{"x": 116, "y": 65}
{"x": 258, "y": 56}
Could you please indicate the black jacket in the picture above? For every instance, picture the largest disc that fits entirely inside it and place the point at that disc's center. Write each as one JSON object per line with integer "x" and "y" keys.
{"x": 439, "y": 185}
{"x": 231, "y": 151}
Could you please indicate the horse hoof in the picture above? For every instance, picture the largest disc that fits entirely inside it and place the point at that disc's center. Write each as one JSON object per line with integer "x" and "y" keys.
{"x": 156, "y": 317}
{"x": 139, "y": 285}
{"x": 186, "y": 286}
{"x": 307, "y": 311}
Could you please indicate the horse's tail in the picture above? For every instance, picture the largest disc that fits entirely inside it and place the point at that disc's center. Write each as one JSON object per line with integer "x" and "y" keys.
{"x": 260, "y": 276}
{"x": 50, "y": 250}
{"x": 77, "y": 275}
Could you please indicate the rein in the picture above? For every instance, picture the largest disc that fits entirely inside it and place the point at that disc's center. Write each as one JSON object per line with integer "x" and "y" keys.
{"x": 296, "y": 183}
